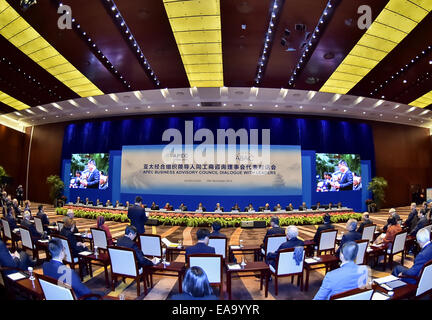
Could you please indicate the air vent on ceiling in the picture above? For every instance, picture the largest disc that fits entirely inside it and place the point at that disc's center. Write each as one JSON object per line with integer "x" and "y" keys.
{"x": 211, "y": 104}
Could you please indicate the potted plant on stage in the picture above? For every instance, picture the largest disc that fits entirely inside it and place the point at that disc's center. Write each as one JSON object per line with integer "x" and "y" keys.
{"x": 378, "y": 186}
{"x": 56, "y": 189}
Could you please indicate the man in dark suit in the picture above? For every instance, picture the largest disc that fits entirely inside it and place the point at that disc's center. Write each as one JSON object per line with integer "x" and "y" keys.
{"x": 138, "y": 215}
{"x": 425, "y": 255}
{"x": 154, "y": 206}
{"x": 292, "y": 242}
{"x": 275, "y": 229}
{"x": 43, "y": 216}
{"x": 201, "y": 207}
{"x": 183, "y": 207}
{"x": 326, "y": 226}
{"x": 30, "y": 226}
{"x": 57, "y": 270}
{"x": 202, "y": 244}
{"x": 346, "y": 181}
{"x": 128, "y": 241}
{"x": 14, "y": 260}
{"x": 20, "y": 195}
{"x": 409, "y": 222}
{"x": 236, "y": 207}
{"x": 67, "y": 232}
{"x": 365, "y": 221}
{"x": 93, "y": 179}
{"x": 277, "y": 207}
{"x": 303, "y": 206}
{"x": 352, "y": 234}
{"x": 422, "y": 222}
{"x": 216, "y": 228}
{"x": 218, "y": 207}
{"x": 10, "y": 218}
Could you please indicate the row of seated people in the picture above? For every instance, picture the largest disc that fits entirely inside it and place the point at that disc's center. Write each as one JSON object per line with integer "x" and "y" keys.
{"x": 218, "y": 207}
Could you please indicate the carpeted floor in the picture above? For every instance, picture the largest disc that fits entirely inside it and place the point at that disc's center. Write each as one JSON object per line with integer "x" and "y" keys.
{"x": 245, "y": 288}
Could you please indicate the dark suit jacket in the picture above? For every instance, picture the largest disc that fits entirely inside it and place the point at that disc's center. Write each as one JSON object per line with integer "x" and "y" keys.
{"x": 202, "y": 208}
{"x": 138, "y": 218}
{"x": 6, "y": 259}
{"x": 325, "y": 226}
{"x": 43, "y": 216}
{"x": 58, "y": 270}
{"x": 420, "y": 224}
{"x": 12, "y": 222}
{"x": 32, "y": 228}
{"x": 410, "y": 219}
{"x": 220, "y": 208}
{"x": 128, "y": 243}
{"x": 200, "y": 248}
{"x": 75, "y": 249}
{"x": 362, "y": 225}
{"x": 350, "y": 236}
{"x": 275, "y": 230}
{"x": 186, "y": 296}
{"x": 217, "y": 234}
{"x": 346, "y": 182}
{"x": 271, "y": 256}
{"x": 93, "y": 179}
{"x": 424, "y": 256}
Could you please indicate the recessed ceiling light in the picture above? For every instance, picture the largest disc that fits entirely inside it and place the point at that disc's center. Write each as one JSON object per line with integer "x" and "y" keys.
{"x": 148, "y": 107}
{"x": 430, "y": 61}
{"x": 88, "y": 112}
{"x": 396, "y": 117}
{"x": 381, "y": 115}
{"x": 276, "y": 106}
{"x": 198, "y": 105}
{"x": 106, "y": 110}
{"x": 250, "y": 105}
{"x": 71, "y": 114}
{"x": 172, "y": 106}
{"x": 345, "y": 110}
{"x": 224, "y": 104}
{"x": 364, "y": 112}
{"x": 324, "y": 108}
{"x": 301, "y": 107}
{"x": 405, "y": 81}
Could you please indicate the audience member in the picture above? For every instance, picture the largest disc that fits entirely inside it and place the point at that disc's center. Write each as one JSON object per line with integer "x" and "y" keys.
{"x": 425, "y": 255}
{"x": 70, "y": 214}
{"x": 128, "y": 241}
{"x": 365, "y": 222}
{"x": 216, "y": 226}
{"x": 326, "y": 226}
{"x": 202, "y": 243}
{"x": 292, "y": 242}
{"x": 411, "y": 221}
{"x": 349, "y": 276}
{"x": 100, "y": 224}
{"x": 392, "y": 213}
{"x": 67, "y": 232}
{"x": 30, "y": 226}
{"x": 14, "y": 260}
{"x": 43, "y": 216}
{"x": 421, "y": 223}
{"x": 195, "y": 286}
{"x": 137, "y": 215}
{"x": 392, "y": 229}
{"x": 352, "y": 234}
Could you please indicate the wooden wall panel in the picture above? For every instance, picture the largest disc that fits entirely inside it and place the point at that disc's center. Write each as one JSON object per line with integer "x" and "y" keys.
{"x": 11, "y": 155}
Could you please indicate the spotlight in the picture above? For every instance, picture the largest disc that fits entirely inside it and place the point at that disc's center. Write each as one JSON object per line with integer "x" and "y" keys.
{"x": 25, "y": 4}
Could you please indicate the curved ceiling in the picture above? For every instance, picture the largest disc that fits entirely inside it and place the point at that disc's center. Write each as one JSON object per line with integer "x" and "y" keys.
{"x": 314, "y": 48}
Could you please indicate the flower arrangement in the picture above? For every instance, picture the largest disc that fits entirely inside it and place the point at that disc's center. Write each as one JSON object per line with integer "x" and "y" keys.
{"x": 206, "y": 219}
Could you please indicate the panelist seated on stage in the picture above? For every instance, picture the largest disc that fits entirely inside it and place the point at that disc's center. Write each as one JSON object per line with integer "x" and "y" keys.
{"x": 154, "y": 206}
{"x": 266, "y": 207}
{"x": 289, "y": 207}
{"x": 201, "y": 207}
{"x": 339, "y": 205}
{"x": 87, "y": 201}
{"x": 329, "y": 206}
{"x": 182, "y": 207}
{"x": 218, "y": 207}
{"x": 277, "y": 207}
{"x": 168, "y": 207}
{"x": 303, "y": 207}
{"x": 216, "y": 226}
{"x": 128, "y": 241}
{"x": 292, "y": 242}
{"x": 326, "y": 226}
{"x": 236, "y": 208}
{"x": 349, "y": 276}
{"x": 117, "y": 204}
{"x": 202, "y": 244}
{"x": 78, "y": 201}
{"x": 249, "y": 208}
{"x": 108, "y": 204}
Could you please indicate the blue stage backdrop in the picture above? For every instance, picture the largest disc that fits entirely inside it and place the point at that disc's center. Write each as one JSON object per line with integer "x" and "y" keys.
{"x": 312, "y": 135}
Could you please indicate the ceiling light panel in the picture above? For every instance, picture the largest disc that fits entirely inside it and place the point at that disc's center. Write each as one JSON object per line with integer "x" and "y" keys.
{"x": 22, "y": 35}
{"x": 392, "y": 25}
{"x": 196, "y": 25}
{"x": 12, "y": 102}
{"x": 423, "y": 101}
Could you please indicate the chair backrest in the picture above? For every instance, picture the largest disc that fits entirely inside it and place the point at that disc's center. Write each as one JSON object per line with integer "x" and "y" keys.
{"x": 123, "y": 261}
{"x": 354, "y": 294}
{"x": 26, "y": 238}
{"x": 6, "y": 229}
{"x": 286, "y": 263}
{"x": 425, "y": 282}
{"x": 99, "y": 238}
{"x": 151, "y": 245}
{"x": 273, "y": 243}
{"x": 361, "y": 253}
{"x": 327, "y": 239}
{"x": 220, "y": 245}
{"x": 399, "y": 242}
{"x": 210, "y": 263}
{"x": 368, "y": 232}
{"x": 55, "y": 290}
{"x": 60, "y": 225}
{"x": 38, "y": 225}
{"x": 65, "y": 243}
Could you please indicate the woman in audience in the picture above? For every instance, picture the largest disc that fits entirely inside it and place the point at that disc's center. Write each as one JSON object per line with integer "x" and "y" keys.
{"x": 393, "y": 228}
{"x": 195, "y": 286}
{"x": 101, "y": 225}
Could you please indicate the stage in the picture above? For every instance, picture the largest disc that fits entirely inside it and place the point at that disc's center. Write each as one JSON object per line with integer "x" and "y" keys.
{"x": 205, "y": 219}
